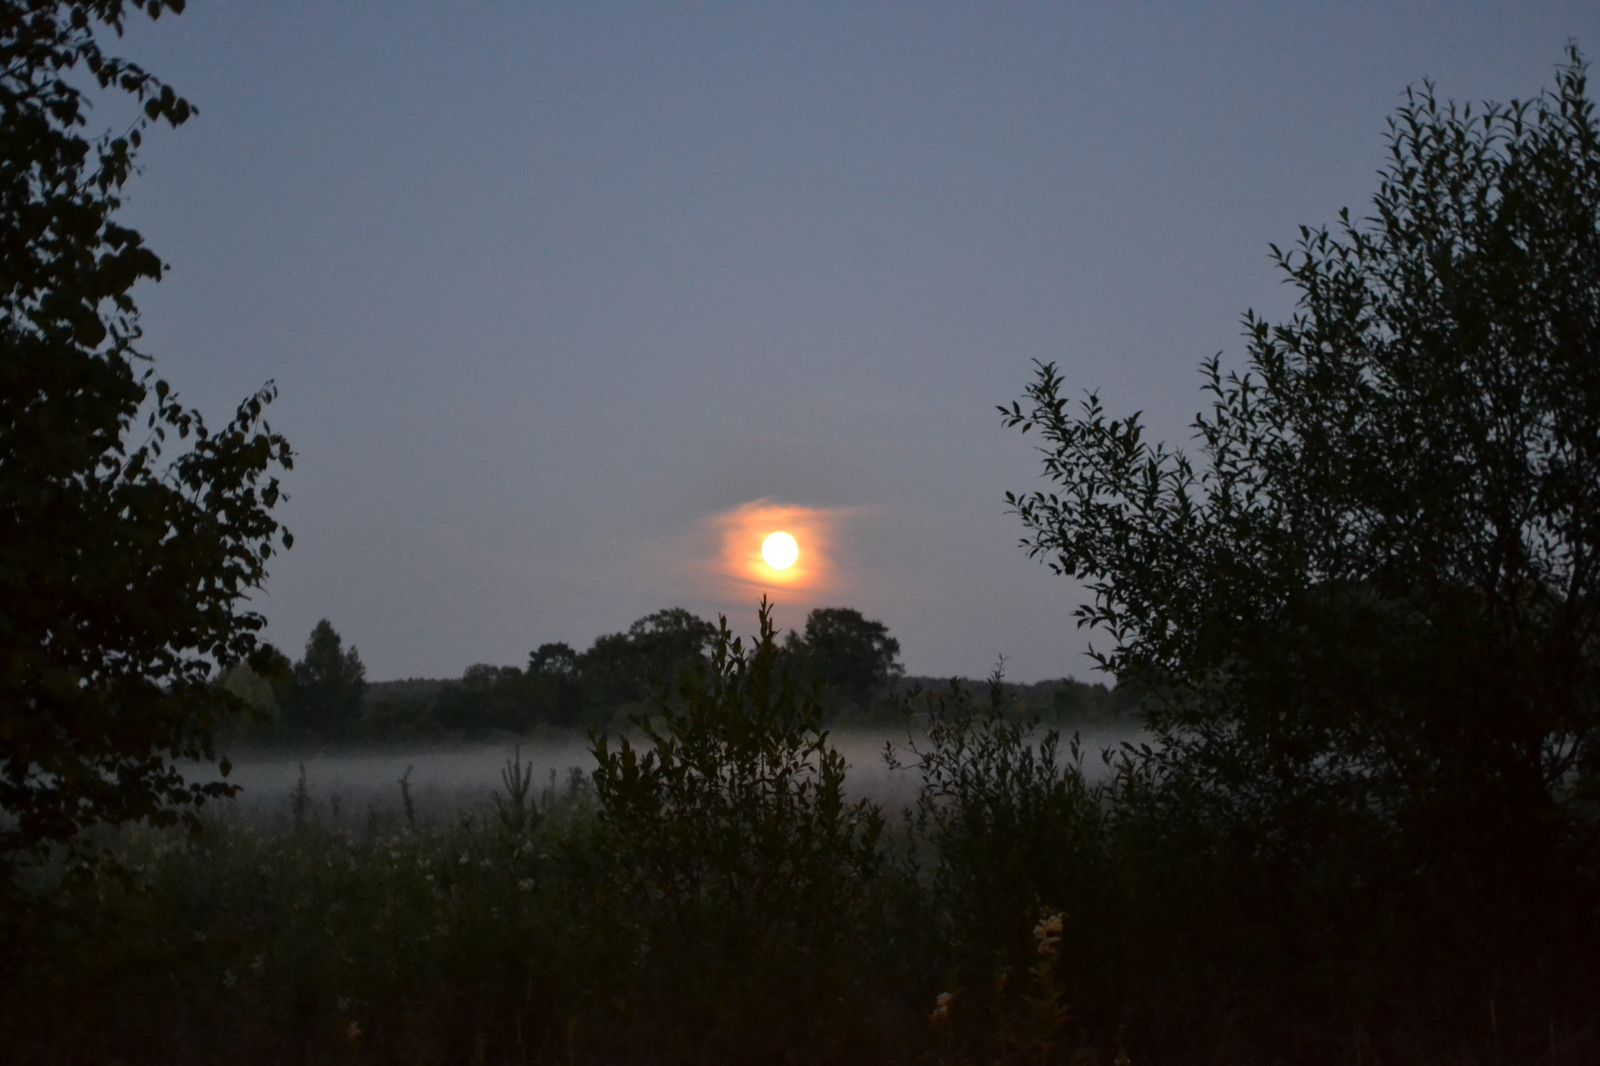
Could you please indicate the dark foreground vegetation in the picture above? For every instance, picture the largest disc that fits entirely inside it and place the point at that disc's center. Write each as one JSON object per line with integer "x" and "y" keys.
{"x": 708, "y": 896}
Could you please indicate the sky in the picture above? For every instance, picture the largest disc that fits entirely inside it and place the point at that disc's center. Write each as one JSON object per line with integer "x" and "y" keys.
{"x": 559, "y": 296}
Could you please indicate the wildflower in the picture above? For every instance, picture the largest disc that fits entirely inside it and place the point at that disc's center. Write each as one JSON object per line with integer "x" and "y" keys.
{"x": 353, "y": 1031}
{"x": 526, "y": 884}
{"x": 258, "y": 964}
{"x": 229, "y": 979}
{"x": 1048, "y": 933}
{"x": 941, "y": 1006}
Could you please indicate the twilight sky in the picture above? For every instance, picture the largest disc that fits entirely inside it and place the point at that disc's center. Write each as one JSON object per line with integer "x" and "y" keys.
{"x": 557, "y": 295}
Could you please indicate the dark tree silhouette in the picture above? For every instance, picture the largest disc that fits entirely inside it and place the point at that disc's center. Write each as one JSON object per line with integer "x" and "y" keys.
{"x": 324, "y": 691}
{"x": 553, "y": 677}
{"x": 851, "y": 655}
{"x": 125, "y": 555}
{"x": 553, "y": 660}
{"x": 633, "y": 666}
{"x": 1367, "y": 613}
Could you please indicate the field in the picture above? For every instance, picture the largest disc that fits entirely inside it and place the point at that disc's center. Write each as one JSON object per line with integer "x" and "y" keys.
{"x": 738, "y": 888}
{"x": 475, "y": 917}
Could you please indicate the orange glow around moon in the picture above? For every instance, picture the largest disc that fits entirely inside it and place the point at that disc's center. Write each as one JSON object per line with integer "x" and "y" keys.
{"x": 752, "y": 535}
{"x": 779, "y": 551}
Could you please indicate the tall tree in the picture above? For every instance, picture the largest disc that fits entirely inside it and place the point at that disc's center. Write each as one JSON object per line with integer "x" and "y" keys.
{"x": 1368, "y": 612}
{"x": 631, "y": 667}
{"x": 851, "y": 655}
{"x": 554, "y": 680}
{"x": 325, "y": 687}
{"x": 125, "y": 555}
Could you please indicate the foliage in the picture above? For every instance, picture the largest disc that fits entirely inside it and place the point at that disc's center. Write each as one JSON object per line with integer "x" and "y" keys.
{"x": 256, "y": 691}
{"x": 1367, "y": 615}
{"x": 555, "y": 666}
{"x": 368, "y": 943}
{"x": 323, "y": 690}
{"x": 1016, "y": 832}
{"x": 853, "y": 657}
{"x": 515, "y": 809}
{"x": 486, "y": 698}
{"x": 561, "y": 687}
{"x": 620, "y": 674}
{"x": 557, "y": 931}
{"x": 632, "y": 667}
{"x": 1071, "y": 700}
{"x": 1063, "y": 702}
{"x": 123, "y": 566}
{"x": 737, "y": 854}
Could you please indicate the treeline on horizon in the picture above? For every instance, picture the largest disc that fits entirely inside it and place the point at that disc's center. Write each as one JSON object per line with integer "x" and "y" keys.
{"x": 324, "y": 696}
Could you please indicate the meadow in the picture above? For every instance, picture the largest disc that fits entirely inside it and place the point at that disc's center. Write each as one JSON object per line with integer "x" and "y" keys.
{"x": 371, "y": 912}
{"x": 721, "y": 887}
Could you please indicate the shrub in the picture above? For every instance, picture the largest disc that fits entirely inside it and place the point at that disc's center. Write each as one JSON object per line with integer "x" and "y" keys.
{"x": 1015, "y": 834}
{"x": 745, "y": 874}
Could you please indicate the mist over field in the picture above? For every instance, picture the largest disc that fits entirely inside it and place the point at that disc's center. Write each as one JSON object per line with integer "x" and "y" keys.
{"x": 346, "y": 787}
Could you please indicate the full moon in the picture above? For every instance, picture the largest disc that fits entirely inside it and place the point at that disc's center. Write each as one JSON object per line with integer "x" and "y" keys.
{"x": 780, "y": 551}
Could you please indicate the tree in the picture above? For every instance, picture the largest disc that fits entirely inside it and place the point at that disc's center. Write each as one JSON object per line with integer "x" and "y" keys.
{"x": 556, "y": 661}
{"x": 486, "y": 698}
{"x": 852, "y": 656}
{"x": 669, "y": 642}
{"x": 325, "y": 688}
{"x": 124, "y": 561}
{"x": 630, "y": 667}
{"x": 1367, "y": 613}
{"x": 553, "y": 675}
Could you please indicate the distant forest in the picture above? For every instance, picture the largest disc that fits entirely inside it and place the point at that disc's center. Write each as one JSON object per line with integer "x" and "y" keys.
{"x": 854, "y": 662}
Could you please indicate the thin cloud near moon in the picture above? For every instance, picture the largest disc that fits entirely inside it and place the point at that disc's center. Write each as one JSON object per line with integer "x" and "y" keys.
{"x": 743, "y": 529}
